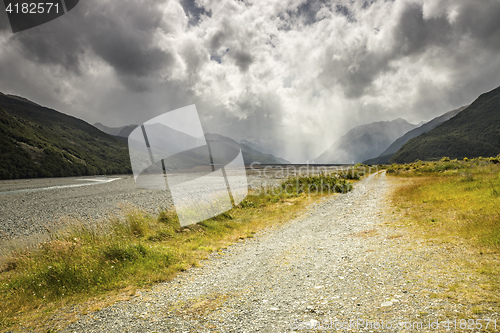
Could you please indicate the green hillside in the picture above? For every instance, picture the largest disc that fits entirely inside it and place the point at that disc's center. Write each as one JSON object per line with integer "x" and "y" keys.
{"x": 473, "y": 132}
{"x": 39, "y": 142}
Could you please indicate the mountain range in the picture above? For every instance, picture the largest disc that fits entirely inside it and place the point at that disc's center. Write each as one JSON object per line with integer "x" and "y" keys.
{"x": 387, "y": 154}
{"x": 119, "y": 133}
{"x": 473, "y": 132}
{"x": 170, "y": 136}
{"x": 364, "y": 142}
{"x": 36, "y": 141}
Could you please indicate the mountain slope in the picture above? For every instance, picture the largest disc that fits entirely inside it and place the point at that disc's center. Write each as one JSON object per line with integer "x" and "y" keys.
{"x": 250, "y": 155}
{"x": 386, "y": 155}
{"x": 173, "y": 138}
{"x": 364, "y": 142}
{"x": 113, "y": 131}
{"x": 473, "y": 132}
{"x": 119, "y": 133}
{"x": 40, "y": 142}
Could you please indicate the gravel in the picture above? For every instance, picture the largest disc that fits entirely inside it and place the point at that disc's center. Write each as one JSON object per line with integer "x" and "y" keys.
{"x": 28, "y": 211}
{"x": 337, "y": 263}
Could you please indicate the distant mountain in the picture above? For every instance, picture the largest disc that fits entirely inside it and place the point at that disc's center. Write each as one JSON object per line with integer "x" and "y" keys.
{"x": 473, "y": 132}
{"x": 250, "y": 155}
{"x": 36, "y": 141}
{"x": 172, "y": 142}
{"x": 255, "y": 145}
{"x": 108, "y": 130}
{"x": 120, "y": 133}
{"x": 302, "y": 148}
{"x": 364, "y": 142}
{"x": 426, "y": 127}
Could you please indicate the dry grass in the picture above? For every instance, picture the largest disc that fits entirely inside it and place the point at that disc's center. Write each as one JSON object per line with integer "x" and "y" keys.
{"x": 456, "y": 210}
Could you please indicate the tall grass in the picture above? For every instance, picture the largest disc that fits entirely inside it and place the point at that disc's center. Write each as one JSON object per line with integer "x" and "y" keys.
{"x": 136, "y": 251}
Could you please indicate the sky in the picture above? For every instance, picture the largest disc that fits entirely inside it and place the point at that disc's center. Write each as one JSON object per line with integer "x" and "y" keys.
{"x": 291, "y": 75}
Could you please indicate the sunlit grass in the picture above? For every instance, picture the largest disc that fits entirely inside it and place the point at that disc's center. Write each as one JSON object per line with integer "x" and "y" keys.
{"x": 457, "y": 203}
{"x": 462, "y": 202}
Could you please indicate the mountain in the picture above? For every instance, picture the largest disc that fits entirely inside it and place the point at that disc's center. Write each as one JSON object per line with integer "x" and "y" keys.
{"x": 424, "y": 128}
{"x": 364, "y": 142}
{"x": 119, "y": 133}
{"x": 250, "y": 155}
{"x": 172, "y": 142}
{"x": 108, "y": 130}
{"x": 36, "y": 141}
{"x": 302, "y": 151}
{"x": 473, "y": 132}
{"x": 256, "y": 145}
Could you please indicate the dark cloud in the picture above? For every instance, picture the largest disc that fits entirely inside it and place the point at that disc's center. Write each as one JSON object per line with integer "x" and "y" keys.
{"x": 217, "y": 39}
{"x": 128, "y": 49}
{"x": 307, "y": 11}
{"x": 481, "y": 22}
{"x": 414, "y": 34}
{"x": 356, "y": 77}
{"x": 368, "y": 3}
{"x": 345, "y": 11}
{"x": 52, "y": 44}
{"x": 120, "y": 33}
{"x": 242, "y": 59}
{"x": 194, "y": 11}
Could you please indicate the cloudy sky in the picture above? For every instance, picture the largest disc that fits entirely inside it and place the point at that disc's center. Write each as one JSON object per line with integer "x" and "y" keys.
{"x": 292, "y": 74}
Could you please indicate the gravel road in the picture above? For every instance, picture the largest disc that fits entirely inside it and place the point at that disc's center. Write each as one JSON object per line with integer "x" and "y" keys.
{"x": 337, "y": 263}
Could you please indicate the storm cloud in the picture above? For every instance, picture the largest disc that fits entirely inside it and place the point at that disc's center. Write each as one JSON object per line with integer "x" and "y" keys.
{"x": 291, "y": 75}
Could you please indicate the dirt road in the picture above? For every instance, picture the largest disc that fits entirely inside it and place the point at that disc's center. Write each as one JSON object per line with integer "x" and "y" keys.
{"x": 338, "y": 265}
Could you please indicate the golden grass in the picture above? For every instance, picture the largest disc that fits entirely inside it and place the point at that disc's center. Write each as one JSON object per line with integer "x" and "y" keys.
{"x": 457, "y": 211}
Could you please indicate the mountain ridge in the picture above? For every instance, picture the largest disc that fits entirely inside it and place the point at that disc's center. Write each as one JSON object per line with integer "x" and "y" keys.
{"x": 364, "y": 142}
{"x": 473, "y": 132}
{"x": 425, "y": 127}
{"x": 250, "y": 154}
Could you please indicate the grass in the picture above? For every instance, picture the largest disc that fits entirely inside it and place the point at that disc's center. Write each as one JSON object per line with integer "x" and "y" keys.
{"x": 456, "y": 204}
{"x": 122, "y": 255}
{"x": 454, "y": 200}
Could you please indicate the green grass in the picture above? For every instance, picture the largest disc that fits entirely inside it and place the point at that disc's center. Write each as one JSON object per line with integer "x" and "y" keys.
{"x": 134, "y": 252}
{"x": 322, "y": 183}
